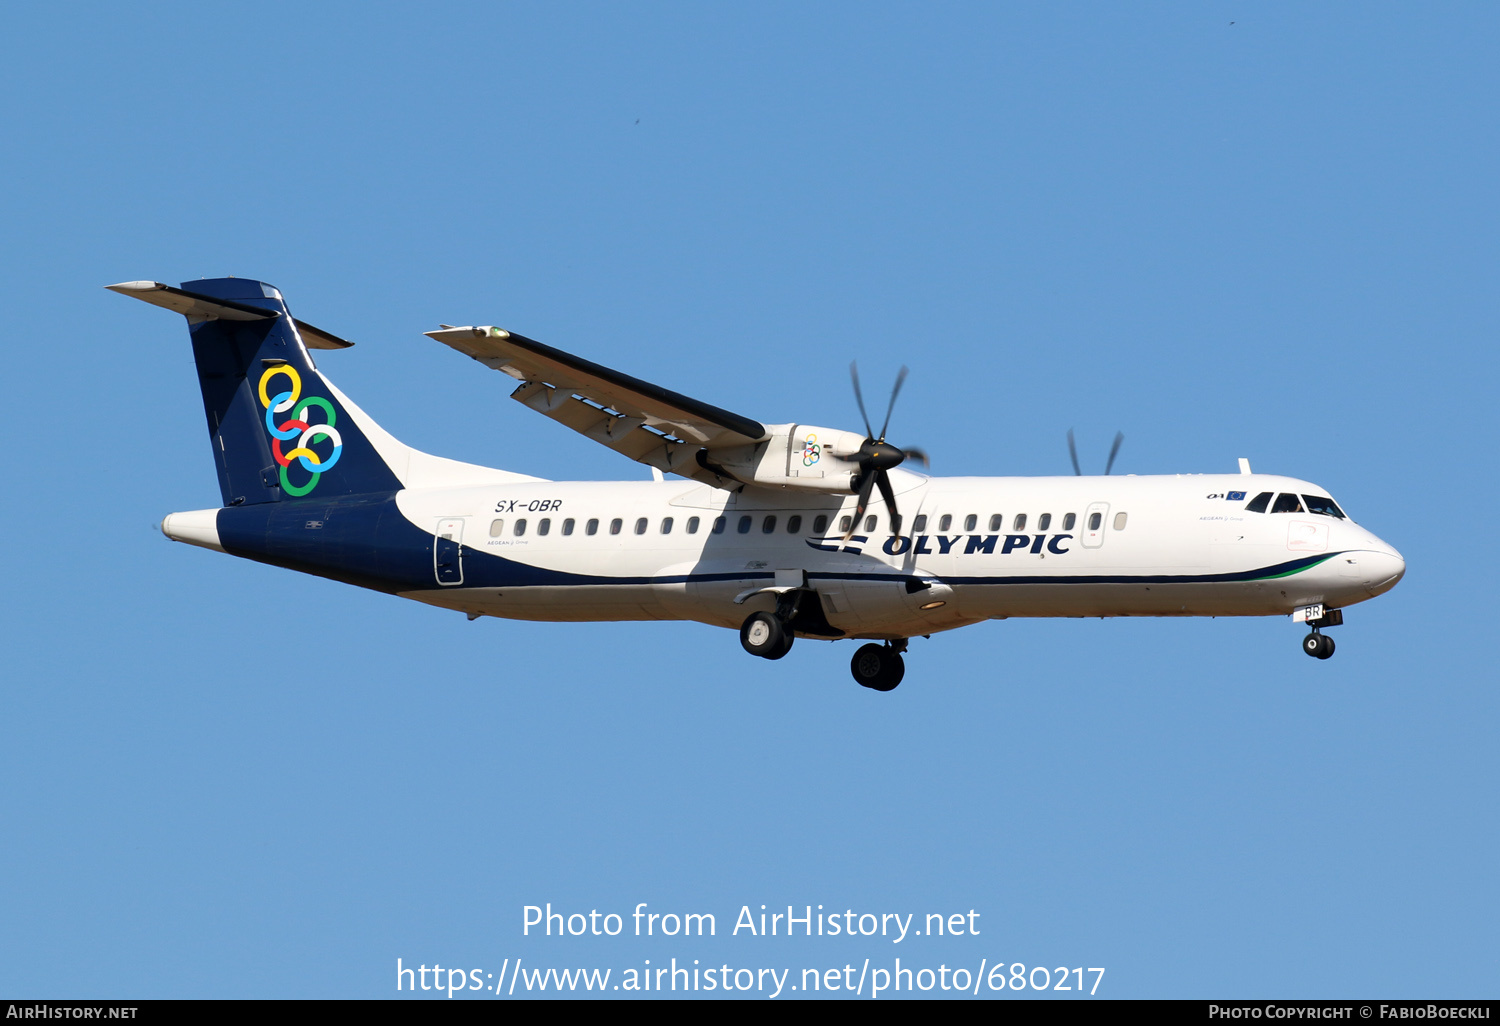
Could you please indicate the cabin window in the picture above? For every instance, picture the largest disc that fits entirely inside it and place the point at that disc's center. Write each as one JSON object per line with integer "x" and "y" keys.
{"x": 568, "y": 526}
{"x": 519, "y": 529}
{"x": 1095, "y": 519}
{"x": 1069, "y": 519}
{"x": 970, "y": 522}
{"x": 945, "y": 522}
{"x": 719, "y": 523}
{"x": 692, "y": 525}
{"x": 1019, "y": 524}
{"x": 744, "y": 526}
{"x": 640, "y": 526}
{"x": 666, "y": 525}
{"x": 845, "y": 523}
{"x": 793, "y": 525}
{"x": 1286, "y": 502}
{"x": 820, "y": 523}
{"x": 768, "y": 525}
{"x": 1324, "y": 505}
{"x": 1044, "y": 521}
{"x": 919, "y": 524}
{"x": 1259, "y": 503}
{"x": 497, "y": 528}
{"x": 997, "y": 521}
{"x": 615, "y": 525}
{"x": 592, "y": 527}
{"x": 1120, "y": 521}
{"x": 543, "y": 525}
{"x": 870, "y": 523}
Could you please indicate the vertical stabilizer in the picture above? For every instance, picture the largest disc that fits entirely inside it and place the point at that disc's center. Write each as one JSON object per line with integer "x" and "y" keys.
{"x": 278, "y": 430}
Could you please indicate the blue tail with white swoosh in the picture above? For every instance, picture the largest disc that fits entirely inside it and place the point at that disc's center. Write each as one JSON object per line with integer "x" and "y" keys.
{"x": 279, "y": 430}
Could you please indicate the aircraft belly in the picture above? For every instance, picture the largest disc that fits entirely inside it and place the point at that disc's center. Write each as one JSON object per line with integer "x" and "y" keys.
{"x": 1118, "y": 599}
{"x": 572, "y": 603}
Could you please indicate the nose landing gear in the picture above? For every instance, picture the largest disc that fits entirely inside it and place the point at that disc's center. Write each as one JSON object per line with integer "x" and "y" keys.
{"x": 1317, "y": 644}
{"x": 879, "y": 667}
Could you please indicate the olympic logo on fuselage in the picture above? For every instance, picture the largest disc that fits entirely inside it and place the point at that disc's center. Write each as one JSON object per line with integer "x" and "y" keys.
{"x": 299, "y": 428}
{"x": 811, "y": 450}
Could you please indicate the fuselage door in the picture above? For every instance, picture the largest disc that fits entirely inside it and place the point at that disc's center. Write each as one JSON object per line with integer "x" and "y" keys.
{"x": 448, "y": 552}
{"x": 1093, "y": 524}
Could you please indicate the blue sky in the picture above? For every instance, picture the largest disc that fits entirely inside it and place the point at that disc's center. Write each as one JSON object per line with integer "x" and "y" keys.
{"x": 1226, "y": 229}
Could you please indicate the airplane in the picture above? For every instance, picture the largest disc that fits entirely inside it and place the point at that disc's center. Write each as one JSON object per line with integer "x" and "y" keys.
{"x": 772, "y": 529}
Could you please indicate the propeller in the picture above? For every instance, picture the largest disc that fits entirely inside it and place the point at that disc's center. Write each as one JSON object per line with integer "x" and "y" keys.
{"x": 1114, "y": 450}
{"x": 876, "y": 457}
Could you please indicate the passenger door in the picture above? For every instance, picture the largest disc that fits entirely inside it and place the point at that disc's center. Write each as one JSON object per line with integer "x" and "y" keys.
{"x": 1095, "y": 520}
{"x": 448, "y": 551}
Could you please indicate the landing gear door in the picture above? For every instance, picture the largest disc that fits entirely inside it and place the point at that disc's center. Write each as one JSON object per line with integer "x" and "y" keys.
{"x": 1094, "y": 520}
{"x": 448, "y": 551}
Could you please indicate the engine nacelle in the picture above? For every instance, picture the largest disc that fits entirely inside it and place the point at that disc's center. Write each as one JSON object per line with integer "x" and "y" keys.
{"x": 797, "y": 456}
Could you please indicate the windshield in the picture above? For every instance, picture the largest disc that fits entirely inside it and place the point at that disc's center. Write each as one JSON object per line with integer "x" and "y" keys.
{"x": 1324, "y": 505}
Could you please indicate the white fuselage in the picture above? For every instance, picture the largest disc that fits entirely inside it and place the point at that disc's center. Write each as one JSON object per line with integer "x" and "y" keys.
{"x": 1163, "y": 546}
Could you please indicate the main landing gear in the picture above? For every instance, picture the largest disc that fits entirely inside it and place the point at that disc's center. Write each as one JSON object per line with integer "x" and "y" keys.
{"x": 766, "y": 635}
{"x": 879, "y": 667}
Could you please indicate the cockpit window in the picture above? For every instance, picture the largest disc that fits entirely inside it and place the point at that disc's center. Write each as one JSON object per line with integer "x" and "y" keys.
{"x": 1324, "y": 505}
{"x": 1259, "y": 503}
{"x": 1286, "y": 502}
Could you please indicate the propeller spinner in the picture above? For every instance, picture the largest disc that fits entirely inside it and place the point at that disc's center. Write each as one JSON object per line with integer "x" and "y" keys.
{"x": 877, "y": 457}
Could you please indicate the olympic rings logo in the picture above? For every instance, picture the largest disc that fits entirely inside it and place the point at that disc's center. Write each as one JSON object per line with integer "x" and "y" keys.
{"x": 811, "y": 450}
{"x": 299, "y": 428}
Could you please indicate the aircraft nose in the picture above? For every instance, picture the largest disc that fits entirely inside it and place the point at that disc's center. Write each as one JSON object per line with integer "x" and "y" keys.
{"x": 1381, "y": 569}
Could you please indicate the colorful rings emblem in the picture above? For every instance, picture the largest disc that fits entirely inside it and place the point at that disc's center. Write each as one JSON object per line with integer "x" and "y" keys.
{"x": 299, "y": 428}
{"x": 811, "y": 450}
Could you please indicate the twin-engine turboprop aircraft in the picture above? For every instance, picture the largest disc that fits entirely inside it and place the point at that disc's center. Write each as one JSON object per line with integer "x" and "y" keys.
{"x": 776, "y": 529}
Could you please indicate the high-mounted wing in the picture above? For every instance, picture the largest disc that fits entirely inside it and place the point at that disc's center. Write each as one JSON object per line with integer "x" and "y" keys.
{"x": 656, "y": 426}
{"x": 650, "y": 424}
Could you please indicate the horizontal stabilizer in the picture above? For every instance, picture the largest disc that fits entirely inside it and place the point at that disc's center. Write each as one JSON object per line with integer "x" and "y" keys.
{"x": 196, "y": 307}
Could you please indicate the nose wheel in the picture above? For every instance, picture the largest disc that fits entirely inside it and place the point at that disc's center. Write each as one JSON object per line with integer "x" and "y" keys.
{"x": 879, "y": 667}
{"x": 1317, "y": 645}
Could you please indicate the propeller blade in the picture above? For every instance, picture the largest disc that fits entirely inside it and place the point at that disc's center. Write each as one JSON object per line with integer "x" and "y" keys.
{"x": 859, "y": 397}
{"x": 1114, "y": 451}
{"x": 884, "y": 481}
{"x": 895, "y": 391}
{"x": 865, "y": 485}
{"x": 920, "y": 455}
{"x": 1073, "y": 452}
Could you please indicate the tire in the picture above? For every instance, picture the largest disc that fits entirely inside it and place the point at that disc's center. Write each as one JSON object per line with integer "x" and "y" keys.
{"x": 763, "y": 635}
{"x": 877, "y": 668}
{"x": 1313, "y": 646}
{"x": 786, "y": 646}
{"x": 1327, "y": 647}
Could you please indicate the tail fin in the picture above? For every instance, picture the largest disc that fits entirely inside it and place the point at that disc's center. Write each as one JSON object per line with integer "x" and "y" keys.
{"x": 279, "y": 429}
